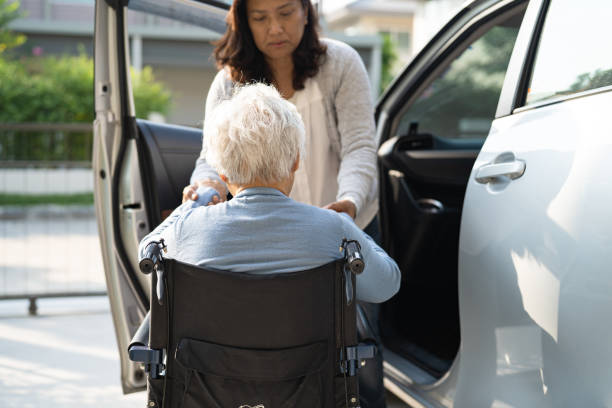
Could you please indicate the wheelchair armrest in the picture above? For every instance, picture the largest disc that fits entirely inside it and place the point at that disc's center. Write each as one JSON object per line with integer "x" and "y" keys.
{"x": 141, "y": 337}
{"x": 140, "y": 352}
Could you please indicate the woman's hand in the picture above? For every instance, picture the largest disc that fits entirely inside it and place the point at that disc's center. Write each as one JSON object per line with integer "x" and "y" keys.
{"x": 343, "y": 206}
{"x": 189, "y": 192}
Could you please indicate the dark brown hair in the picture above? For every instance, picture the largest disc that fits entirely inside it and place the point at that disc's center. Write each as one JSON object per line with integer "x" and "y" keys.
{"x": 237, "y": 49}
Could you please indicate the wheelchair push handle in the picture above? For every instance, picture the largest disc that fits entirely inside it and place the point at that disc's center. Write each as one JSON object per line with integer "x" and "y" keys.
{"x": 152, "y": 256}
{"x": 152, "y": 260}
{"x": 352, "y": 256}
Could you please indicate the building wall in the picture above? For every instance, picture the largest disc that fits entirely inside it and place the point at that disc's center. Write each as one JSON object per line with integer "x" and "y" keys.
{"x": 186, "y": 68}
{"x": 61, "y": 44}
{"x": 189, "y": 89}
{"x": 358, "y": 22}
{"x": 35, "y": 9}
{"x": 420, "y": 22}
{"x": 399, "y": 28}
{"x": 390, "y": 23}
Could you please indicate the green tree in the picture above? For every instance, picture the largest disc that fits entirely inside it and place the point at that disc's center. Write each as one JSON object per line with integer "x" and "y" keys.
{"x": 9, "y": 11}
{"x": 389, "y": 57}
{"x": 591, "y": 80}
{"x": 149, "y": 95}
{"x": 467, "y": 90}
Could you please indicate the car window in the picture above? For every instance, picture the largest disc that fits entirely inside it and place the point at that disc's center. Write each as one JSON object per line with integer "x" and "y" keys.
{"x": 460, "y": 102}
{"x": 170, "y": 76}
{"x": 573, "y": 52}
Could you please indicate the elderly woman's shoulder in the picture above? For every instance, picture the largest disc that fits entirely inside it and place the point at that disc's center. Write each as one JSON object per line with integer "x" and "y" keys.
{"x": 330, "y": 218}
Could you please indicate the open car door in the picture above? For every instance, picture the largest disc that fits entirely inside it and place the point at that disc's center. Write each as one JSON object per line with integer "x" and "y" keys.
{"x": 432, "y": 124}
{"x": 139, "y": 167}
{"x": 508, "y": 236}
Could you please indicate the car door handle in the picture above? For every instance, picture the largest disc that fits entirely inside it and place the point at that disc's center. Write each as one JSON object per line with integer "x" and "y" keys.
{"x": 489, "y": 172}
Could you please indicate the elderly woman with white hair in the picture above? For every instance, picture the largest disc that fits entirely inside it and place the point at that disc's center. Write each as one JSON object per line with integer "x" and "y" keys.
{"x": 255, "y": 141}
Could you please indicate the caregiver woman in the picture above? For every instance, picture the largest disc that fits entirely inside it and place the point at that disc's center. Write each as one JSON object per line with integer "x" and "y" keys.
{"x": 276, "y": 41}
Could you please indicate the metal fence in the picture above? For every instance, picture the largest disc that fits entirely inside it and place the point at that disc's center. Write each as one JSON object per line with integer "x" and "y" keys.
{"x": 49, "y": 244}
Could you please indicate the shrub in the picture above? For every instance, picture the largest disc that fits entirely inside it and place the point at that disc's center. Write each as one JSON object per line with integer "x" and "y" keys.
{"x": 53, "y": 89}
{"x": 60, "y": 90}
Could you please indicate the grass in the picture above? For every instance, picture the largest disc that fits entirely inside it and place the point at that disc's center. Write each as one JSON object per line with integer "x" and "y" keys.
{"x": 40, "y": 199}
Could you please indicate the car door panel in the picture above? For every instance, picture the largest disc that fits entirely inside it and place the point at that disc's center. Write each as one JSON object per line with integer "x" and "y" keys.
{"x": 426, "y": 216}
{"x": 436, "y": 166}
{"x": 139, "y": 168}
{"x": 171, "y": 153}
{"x": 423, "y": 192}
{"x": 547, "y": 250}
{"x": 117, "y": 202}
{"x": 535, "y": 250}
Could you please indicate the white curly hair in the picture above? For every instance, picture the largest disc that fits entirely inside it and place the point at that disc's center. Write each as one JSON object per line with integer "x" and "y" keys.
{"x": 254, "y": 136}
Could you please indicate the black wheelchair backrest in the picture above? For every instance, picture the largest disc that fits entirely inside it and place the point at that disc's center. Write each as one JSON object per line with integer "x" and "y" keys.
{"x": 236, "y": 340}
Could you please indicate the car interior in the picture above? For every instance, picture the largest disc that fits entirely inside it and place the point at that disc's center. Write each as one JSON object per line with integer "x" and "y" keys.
{"x": 424, "y": 166}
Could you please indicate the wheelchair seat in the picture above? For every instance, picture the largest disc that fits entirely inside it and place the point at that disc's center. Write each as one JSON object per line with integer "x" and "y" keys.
{"x": 239, "y": 340}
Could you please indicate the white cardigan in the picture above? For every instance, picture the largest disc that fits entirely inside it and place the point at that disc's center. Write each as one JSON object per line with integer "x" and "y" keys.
{"x": 344, "y": 85}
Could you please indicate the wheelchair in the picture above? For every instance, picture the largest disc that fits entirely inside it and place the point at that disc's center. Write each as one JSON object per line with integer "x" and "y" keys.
{"x": 237, "y": 340}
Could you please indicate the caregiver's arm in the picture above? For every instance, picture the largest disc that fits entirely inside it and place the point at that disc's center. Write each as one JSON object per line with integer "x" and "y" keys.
{"x": 203, "y": 174}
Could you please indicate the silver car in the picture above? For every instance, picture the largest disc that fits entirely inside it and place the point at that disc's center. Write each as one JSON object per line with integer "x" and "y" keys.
{"x": 495, "y": 178}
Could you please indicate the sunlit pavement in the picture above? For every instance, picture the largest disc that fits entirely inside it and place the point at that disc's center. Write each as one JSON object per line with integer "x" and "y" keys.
{"x": 64, "y": 357}
{"x": 49, "y": 249}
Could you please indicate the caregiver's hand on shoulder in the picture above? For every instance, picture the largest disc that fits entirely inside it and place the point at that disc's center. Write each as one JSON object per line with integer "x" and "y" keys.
{"x": 345, "y": 206}
{"x": 189, "y": 192}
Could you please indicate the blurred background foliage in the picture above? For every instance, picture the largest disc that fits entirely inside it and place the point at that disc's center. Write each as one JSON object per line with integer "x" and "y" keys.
{"x": 60, "y": 90}
{"x": 461, "y": 102}
{"x": 50, "y": 89}
{"x": 389, "y": 58}
{"x": 9, "y": 11}
{"x": 39, "y": 89}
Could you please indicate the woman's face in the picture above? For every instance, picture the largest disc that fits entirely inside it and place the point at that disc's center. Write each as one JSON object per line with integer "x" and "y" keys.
{"x": 277, "y": 26}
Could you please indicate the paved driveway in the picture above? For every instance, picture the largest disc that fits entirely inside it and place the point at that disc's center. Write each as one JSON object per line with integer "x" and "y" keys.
{"x": 64, "y": 357}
